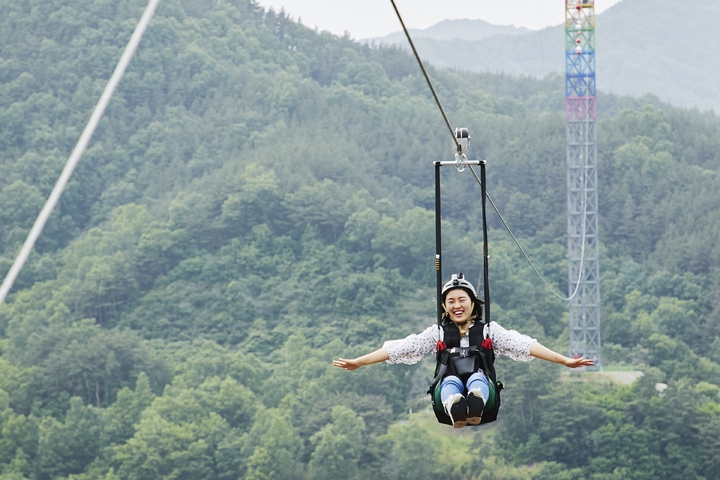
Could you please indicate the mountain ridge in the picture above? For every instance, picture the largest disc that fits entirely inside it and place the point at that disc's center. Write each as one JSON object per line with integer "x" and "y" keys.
{"x": 641, "y": 47}
{"x": 464, "y": 29}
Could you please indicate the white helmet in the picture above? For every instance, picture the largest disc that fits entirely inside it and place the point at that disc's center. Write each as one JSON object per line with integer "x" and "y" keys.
{"x": 458, "y": 281}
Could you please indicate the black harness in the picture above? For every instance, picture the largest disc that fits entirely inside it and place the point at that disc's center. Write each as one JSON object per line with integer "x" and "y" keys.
{"x": 454, "y": 359}
{"x": 463, "y": 362}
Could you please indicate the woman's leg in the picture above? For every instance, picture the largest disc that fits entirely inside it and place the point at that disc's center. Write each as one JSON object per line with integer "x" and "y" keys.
{"x": 451, "y": 394}
{"x": 451, "y": 385}
{"x": 479, "y": 382}
{"x": 478, "y": 391}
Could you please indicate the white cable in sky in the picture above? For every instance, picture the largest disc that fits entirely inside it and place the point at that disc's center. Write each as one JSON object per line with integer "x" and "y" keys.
{"x": 79, "y": 149}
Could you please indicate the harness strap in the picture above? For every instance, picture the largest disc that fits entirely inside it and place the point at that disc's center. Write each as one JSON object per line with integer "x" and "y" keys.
{"x": 486, "y": 255}
{"x": 441, "y": 369}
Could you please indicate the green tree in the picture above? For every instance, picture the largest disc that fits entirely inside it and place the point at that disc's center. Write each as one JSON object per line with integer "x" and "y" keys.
{"x": 18, "y": 441}
{"x": 322, "y": 205}
{"x": 272, "y": 447}
{"x": 68, "y": 447}
{"x": 406, "y": 243}
{"x": 256, "y": 202}
{"x": 120, "y": 418}
{"x": 84, "y": 360}
{"x": 20, "y": 203}
{"x": 338, "y": 447}
{"x": 411, "y": 454}
{"x": 176, "y": 437}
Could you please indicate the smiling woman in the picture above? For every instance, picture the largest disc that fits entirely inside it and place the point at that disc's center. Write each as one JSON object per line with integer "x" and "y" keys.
{"x": 464, "y": 391}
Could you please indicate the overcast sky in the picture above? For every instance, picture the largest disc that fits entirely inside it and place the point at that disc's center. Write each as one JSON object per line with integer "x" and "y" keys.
{"x": 376, "y": 18}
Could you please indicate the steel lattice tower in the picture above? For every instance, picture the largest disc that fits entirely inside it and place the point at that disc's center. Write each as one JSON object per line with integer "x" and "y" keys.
{"x": 582, "y": 192}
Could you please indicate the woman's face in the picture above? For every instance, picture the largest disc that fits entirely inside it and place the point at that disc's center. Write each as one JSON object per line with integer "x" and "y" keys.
{"x": 458, "y": 305}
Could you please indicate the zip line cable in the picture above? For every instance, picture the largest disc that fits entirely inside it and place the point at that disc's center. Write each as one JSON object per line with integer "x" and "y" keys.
{"x": 447, "y": 122}
{"x": 427, "y": 79}
{"x": 78, "y": 150}
{"x": 517, "y": 243}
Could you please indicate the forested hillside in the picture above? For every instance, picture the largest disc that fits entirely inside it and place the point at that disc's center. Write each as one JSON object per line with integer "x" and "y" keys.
{"x": 258, "y": 200}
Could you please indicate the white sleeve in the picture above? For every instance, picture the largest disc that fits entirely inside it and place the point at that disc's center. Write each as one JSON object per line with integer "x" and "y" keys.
{"x": 510, "y": 343}
{"x": 411, "y": 349}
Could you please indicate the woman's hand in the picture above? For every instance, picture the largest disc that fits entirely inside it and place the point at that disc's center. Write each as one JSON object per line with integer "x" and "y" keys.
{"x": 539, "y": 351}
{"x": 579, "y": 362}
{"x": 351, "y": 364}
{"x": 379, "y": 355}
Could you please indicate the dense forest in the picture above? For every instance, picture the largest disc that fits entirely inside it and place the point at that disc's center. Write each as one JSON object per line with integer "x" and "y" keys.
{"x": 258, "y": 200}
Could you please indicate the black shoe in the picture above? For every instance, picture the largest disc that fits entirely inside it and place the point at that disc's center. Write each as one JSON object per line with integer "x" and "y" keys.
{"x": 456, "y": 408}
{"x": 475, "y": 406}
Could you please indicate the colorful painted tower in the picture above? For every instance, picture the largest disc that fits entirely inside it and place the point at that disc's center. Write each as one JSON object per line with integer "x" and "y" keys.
{"x": 582, "y": 191}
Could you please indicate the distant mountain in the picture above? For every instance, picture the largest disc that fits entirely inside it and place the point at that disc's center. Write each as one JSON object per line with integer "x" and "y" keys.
{"x": 643, "y": 46}
{"x": 449, "y": 30}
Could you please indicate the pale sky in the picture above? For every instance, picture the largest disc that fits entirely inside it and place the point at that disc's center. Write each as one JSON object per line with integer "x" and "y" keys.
{"x": 376, "y": 18}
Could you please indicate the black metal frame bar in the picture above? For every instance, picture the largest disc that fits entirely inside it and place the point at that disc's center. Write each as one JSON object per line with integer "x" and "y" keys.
{"x": 438, "y": 235}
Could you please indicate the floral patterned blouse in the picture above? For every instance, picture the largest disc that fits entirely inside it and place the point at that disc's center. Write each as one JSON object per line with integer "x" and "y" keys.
{"x": 411, "y": 349}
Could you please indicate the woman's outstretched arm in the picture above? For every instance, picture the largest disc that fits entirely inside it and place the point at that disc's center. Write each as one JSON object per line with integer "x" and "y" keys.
{"x": 540, "y": 351}
{"x": 379, "y": 355}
